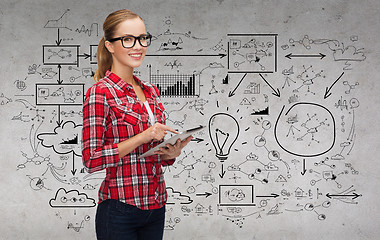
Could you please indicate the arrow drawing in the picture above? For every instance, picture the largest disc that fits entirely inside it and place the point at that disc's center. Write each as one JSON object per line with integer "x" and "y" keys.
{"x": 354, "y": 195}
{"x": 272, "y": 195}
{"x": 230, "y": 94}
{"x": 59, "y": 40}
{"x": 207, "y": 194}
{"x": 303, "y": 167}
{"x": 74, "y": 170}
{"x": 59, "y": 121}
{"x": 223, "y": 172}
{"x": 276, "y": 93}
{"x": 59, "y": 74}
{"x": 85, "y": 55}
{"x": 198, "y": 140}
{"x": 221, "y": 55}
{"x": 290, "y": 55}
{"x": 327, "y": 92}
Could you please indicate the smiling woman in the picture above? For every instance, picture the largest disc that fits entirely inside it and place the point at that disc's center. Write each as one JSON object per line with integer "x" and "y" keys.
{"x": 130, "y": 56}
{"x": 123, "y": 118}
{"x": 104, "y": 57}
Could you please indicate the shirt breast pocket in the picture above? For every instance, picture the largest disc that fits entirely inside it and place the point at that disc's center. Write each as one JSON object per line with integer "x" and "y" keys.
{"x": 127, "y": 115}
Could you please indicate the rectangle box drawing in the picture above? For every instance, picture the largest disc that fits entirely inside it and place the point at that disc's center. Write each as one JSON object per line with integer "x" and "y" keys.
{"x": 61, "y": 55}
{"x": 252, "y": 53}
{"x": 59, "y": 94}
{"x": 93, "y": 51}
{"x": 236, "y": 195}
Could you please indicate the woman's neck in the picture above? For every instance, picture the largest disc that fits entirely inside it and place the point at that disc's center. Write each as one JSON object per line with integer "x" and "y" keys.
{"x": 125, "y": 73}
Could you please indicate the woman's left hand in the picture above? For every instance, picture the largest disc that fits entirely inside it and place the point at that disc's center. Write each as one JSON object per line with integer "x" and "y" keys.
{"x": 173, "y": 151}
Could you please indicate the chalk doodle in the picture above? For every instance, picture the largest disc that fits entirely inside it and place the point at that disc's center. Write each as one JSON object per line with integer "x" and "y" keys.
{"x": 279, "y": 141}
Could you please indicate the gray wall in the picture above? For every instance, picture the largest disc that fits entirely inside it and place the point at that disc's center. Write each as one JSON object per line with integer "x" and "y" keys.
{"x": 295, "y": 86}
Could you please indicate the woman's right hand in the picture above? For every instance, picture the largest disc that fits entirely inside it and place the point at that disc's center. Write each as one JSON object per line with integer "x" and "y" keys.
{"x": 156, "y": 132}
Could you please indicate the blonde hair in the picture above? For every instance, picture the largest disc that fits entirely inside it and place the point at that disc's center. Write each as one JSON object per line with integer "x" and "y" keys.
{"x": 103, "y": 56}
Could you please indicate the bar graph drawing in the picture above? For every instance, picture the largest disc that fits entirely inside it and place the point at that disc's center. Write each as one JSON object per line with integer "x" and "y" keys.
{"x": 176, "y": 85}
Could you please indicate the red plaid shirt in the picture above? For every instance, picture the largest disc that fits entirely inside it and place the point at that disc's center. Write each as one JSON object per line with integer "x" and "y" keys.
{"x": 112, "y": 113}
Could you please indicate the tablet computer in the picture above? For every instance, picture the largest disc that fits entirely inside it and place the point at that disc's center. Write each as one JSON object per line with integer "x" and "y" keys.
{"x": 172, "y": 140}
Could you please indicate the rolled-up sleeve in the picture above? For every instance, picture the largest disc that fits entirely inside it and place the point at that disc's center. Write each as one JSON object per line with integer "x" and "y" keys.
{"x": 96, "y": 153}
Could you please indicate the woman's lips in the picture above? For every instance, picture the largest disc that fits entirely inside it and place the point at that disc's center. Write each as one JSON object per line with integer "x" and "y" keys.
{"x": 136, "y": 56}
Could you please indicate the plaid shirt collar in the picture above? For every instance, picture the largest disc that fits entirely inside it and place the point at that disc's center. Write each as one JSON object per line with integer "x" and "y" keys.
{"x": 124, "y": 86}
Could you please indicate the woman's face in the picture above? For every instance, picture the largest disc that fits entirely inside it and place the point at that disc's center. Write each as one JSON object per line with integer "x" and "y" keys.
{"x": 127, "y": 57}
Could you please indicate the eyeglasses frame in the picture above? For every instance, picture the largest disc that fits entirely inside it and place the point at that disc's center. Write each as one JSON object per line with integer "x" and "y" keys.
{"x": 148, "y": 36}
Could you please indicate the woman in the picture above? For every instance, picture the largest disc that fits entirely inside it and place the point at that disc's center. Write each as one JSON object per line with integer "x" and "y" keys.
{"x": 123, "y": 118}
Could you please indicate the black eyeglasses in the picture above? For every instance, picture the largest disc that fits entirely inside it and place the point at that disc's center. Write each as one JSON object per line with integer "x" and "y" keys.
{"x": 129, "y": 41}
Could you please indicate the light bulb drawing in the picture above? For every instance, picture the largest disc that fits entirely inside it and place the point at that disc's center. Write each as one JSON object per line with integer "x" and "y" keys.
{"x": 223, "y": 131}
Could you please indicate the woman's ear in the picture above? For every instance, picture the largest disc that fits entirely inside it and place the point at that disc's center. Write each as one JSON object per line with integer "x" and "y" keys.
{"x": 109, "y": 46}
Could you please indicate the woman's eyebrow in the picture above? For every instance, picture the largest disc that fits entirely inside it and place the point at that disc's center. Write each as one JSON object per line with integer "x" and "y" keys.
{"x": 128, "y": 34}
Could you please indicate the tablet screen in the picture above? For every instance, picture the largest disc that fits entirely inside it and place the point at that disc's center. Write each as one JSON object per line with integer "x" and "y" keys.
{"x": 172, "y": 140}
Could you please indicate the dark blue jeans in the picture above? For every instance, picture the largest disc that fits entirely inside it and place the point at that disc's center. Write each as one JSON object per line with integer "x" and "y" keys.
{"x": 116, "y": 220}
